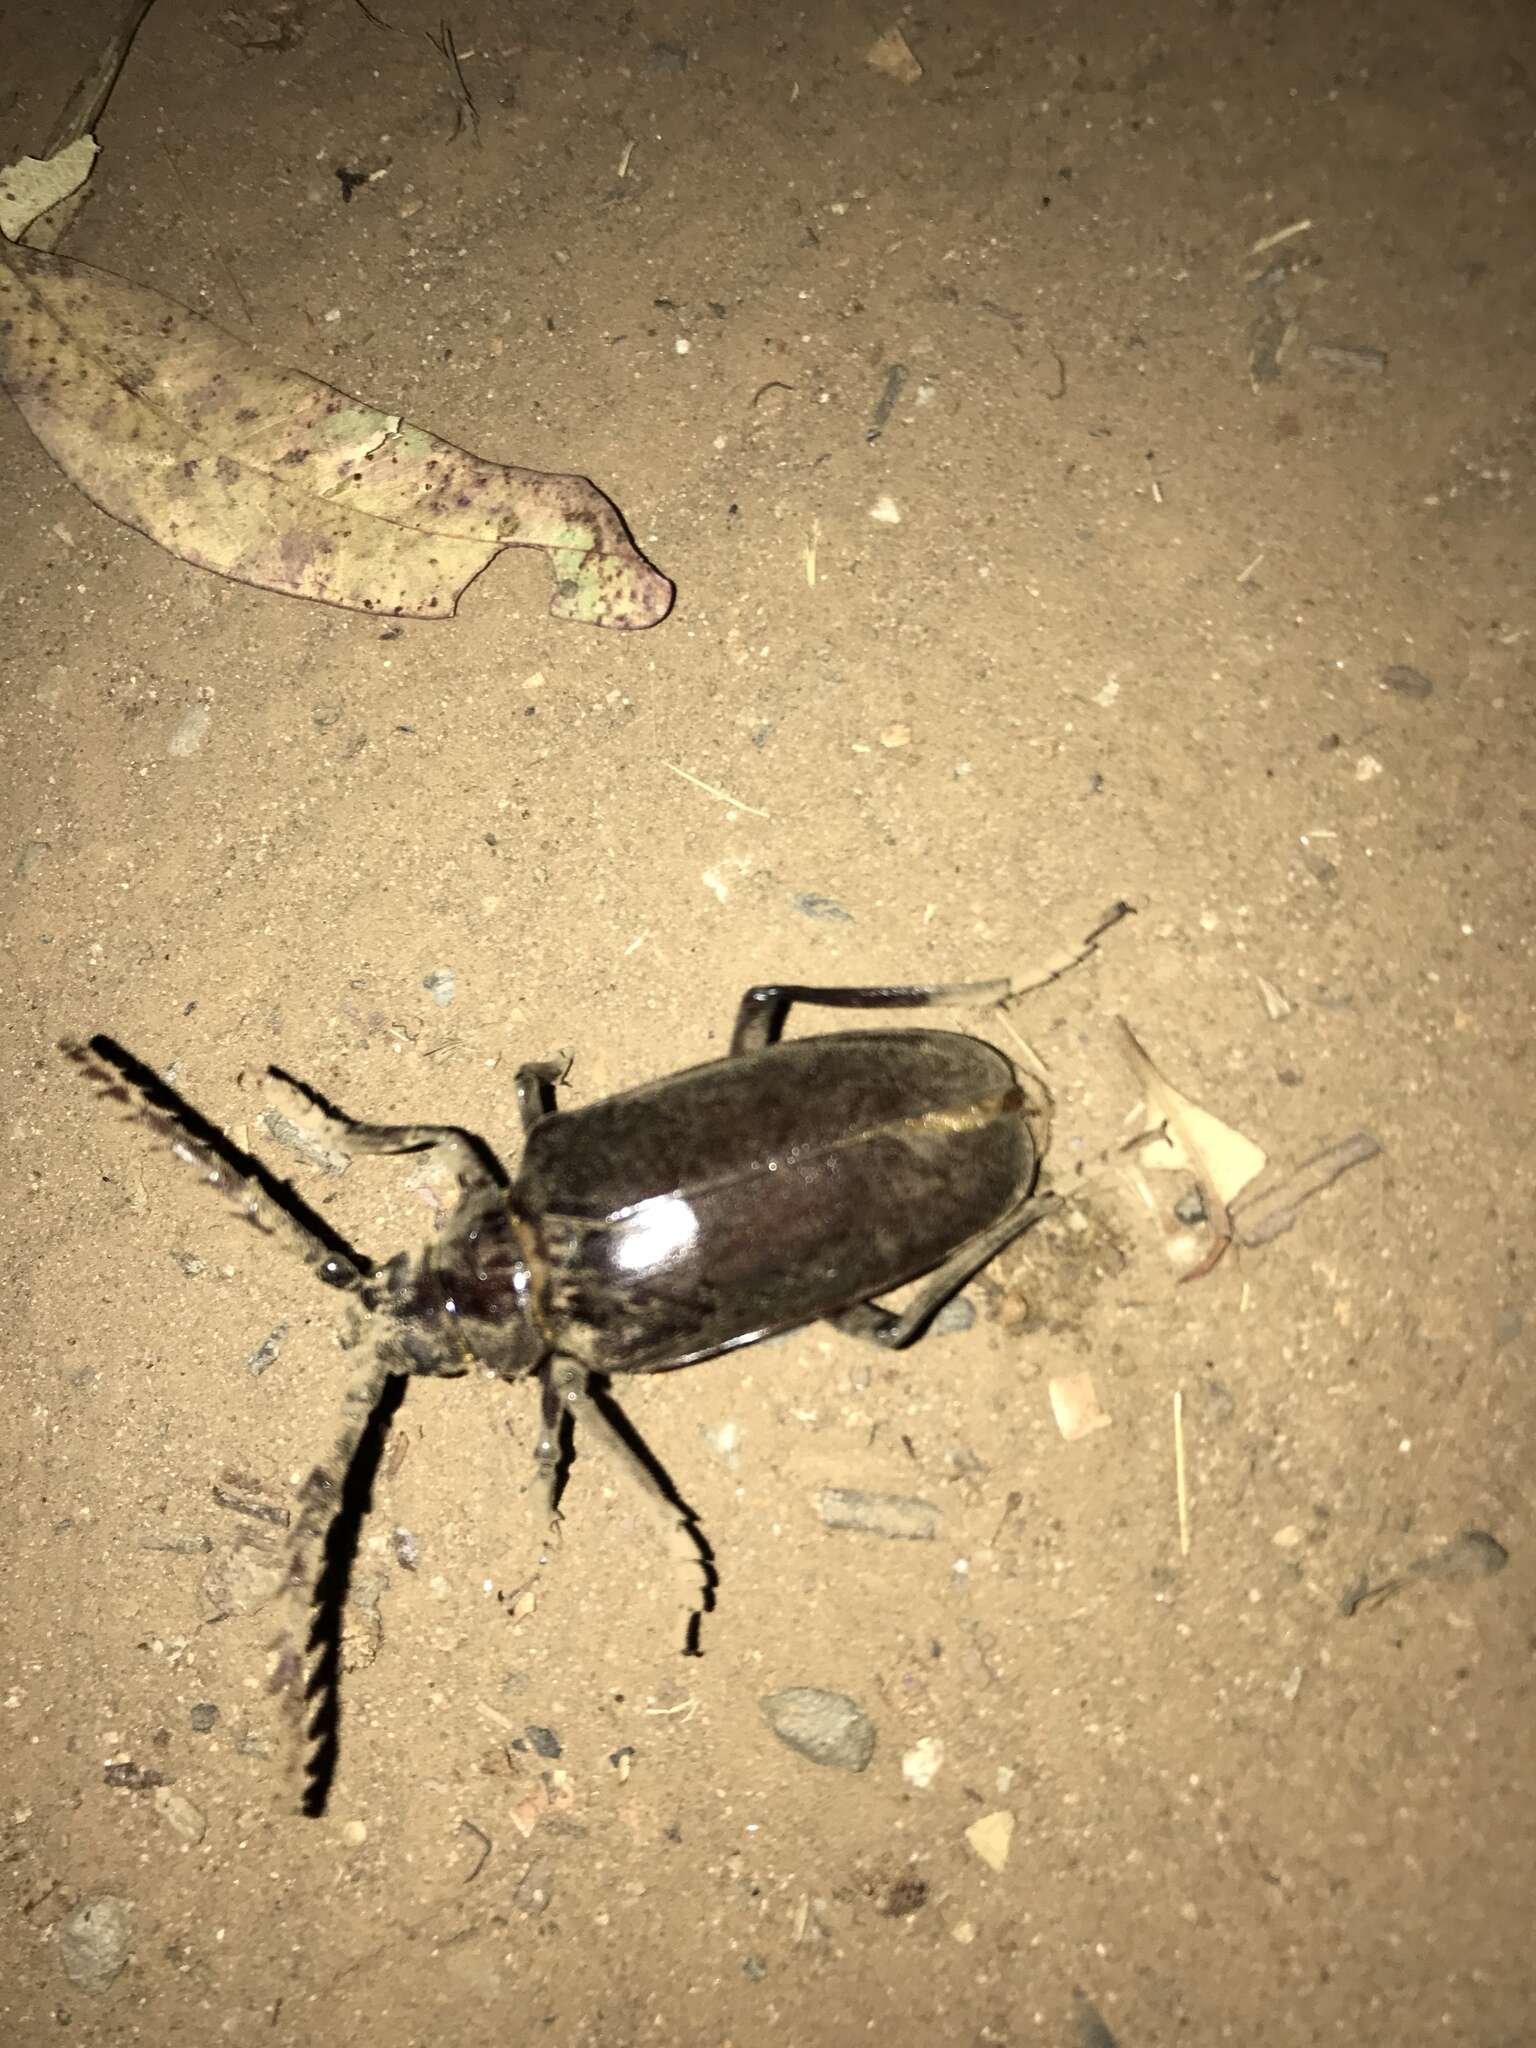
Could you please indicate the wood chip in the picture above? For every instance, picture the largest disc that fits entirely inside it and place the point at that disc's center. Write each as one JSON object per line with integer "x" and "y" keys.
{"x": 892, "y": 54}
{"x": 1075, "y": 1406}
{"x": 992, "y": 1838}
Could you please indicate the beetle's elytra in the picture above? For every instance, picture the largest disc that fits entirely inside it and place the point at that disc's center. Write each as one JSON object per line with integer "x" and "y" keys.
{"x": 784, "y": 1184}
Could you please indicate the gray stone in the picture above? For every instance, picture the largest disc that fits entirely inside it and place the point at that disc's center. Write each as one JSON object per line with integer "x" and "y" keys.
{"x": 94, "y": 1941}
{"x": 825, "y": 1727}
{"x": 899, "y": 1516}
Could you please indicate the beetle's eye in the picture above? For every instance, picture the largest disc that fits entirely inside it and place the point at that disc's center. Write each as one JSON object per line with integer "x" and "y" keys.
{"x": 336, "y": 1273}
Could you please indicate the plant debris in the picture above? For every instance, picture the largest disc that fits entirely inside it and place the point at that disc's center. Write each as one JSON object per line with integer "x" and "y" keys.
{"x": 897, "y": 1516}
{"x": 1180, "y": 1134}
{"x": 273, "y": 478}
{"x": 1273, "y": 1210}
{"x": 892, "y": 54}
{"x": 992, "y": 1838}
{"x": 1075, "y": 1405}
{"x": 1474, "y": 1554}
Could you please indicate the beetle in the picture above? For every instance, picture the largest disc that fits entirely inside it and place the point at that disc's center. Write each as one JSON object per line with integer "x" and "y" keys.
{"x": 791, "y": 1181}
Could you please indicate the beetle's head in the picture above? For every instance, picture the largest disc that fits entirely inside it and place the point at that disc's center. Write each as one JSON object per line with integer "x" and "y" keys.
{"x": 467, "y": 1300}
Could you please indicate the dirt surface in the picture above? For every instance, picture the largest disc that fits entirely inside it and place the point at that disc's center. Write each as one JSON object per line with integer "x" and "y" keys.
{"x": 1209, "y": 588}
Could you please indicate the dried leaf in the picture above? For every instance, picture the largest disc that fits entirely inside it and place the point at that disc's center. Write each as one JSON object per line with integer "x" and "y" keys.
{"x": 272, "y": 478}
{"x": 892, "y": 54}
{"x": 1221, "y": 1159}
{"x": 33, "y": 184}
{"x": 1186, "y": 1136}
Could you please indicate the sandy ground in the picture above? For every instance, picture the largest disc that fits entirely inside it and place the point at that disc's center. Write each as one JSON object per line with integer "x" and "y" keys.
{"x": 1210, "y": 591}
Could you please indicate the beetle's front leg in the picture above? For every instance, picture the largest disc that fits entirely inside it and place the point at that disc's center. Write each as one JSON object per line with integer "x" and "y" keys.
{"x": 456, "y": 1150}
{"x": 535, "y": 1086}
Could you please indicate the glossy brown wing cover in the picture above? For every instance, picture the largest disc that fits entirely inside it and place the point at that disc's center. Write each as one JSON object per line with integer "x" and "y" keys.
{"x": 752, "y": 1195}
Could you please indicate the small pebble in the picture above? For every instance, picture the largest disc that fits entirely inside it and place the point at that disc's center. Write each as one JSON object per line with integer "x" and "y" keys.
{"x": 189, "y": 731}
{"x": 354, "y": 1833}
{"x": 922, "y": 1762}
{"x": 542, "y": 1741}
{"x": 885, "y": 512}
{"x": 1349, "y": 359}
{"x": 407, "y": 1550}
{"x": 824, "y": 1727}
{"x": 94, "y": 1941}
{"x": 439, "y": 986}
{"x": 266, "y": 1352}
{"x": 1474, "y": 1554}
{"x": 955, "y": 1317}
{"x": 180, "y": 1814}
{"x": 130, "y": 1777}
{"x": 31, "y": 857}
{"x": 992, "y": 1838}
{"x": 1408, "y": 682}
{"x": 202, "y": 1717}
{"x": 900, "y": 1517}
{"x": 826, "y": 908}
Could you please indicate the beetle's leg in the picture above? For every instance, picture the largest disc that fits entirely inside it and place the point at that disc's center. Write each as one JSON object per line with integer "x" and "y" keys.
{"x": 535, "y": 1085}
{"x": 274, "y": 1209}
{"x": 761, "y": 1016}
{"x": 892, "y": 1332}
{"x": 455, "y": 1149}
{"x": 673, "y": 1523}
{"x": 557, "y": 1377}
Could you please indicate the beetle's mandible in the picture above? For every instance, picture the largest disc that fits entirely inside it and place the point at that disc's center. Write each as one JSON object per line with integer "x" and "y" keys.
{"x": 786, "y": 1183}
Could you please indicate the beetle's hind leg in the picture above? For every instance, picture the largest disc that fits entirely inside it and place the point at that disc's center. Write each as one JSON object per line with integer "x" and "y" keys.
{"x": 892, "y": 1332}
{"x": 763, "y": 1011}
{"x": 597, "y": 1417}
{"x": 455, "y": 1150}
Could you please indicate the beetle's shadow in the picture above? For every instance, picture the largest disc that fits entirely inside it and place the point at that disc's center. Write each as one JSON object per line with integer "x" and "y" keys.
{"x": 323, "y": 1693}
{"x": 599, "y": 1393}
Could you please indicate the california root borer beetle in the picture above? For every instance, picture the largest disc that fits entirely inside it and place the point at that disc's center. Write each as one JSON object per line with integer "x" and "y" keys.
{"x": 787, "y": 1183}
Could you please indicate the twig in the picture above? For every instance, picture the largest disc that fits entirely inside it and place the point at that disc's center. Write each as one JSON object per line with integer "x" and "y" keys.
{"x": 468, "y": 1827}
{"x": 1297, "y": 227}
{"x": 720, "y": 795}
{"x": 1180, "y": 1478}
{"x": 80, "y": 115}
{"x": 444, "y": 44}
{"x": 90, "y": 96}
